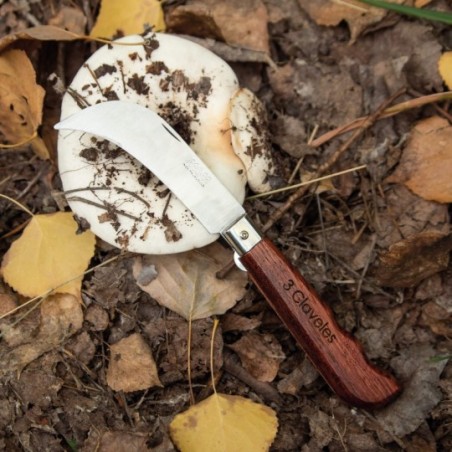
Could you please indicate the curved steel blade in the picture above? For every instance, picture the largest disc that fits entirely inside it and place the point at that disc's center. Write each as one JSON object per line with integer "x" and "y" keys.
{"x": 153, "y": 142}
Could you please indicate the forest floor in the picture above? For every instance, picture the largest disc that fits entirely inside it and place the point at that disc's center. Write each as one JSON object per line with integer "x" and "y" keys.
{"x": 370, "y": 241}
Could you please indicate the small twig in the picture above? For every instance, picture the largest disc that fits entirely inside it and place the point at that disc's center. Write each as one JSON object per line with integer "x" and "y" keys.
{"x": 331, "y": 161}
{"x": 366, "y": 266}
{"x": 118, "y": 189}
{"x": 308, "y": 182}
{"x": 101, "y": 206}
{"x": 31, "y": 183}
{"x": 387, "y": 113}
{"x": 223, "y": 272}
{"x": 267, "y": 391}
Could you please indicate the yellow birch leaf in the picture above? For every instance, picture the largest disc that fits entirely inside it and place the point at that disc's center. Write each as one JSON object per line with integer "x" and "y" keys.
{"x": 128, "y": 17}
{"x": 21, "y": 100}
{"x": 47, "y": 254}
{"x": 224, "y": 423}
{"x": 445, "y": 68}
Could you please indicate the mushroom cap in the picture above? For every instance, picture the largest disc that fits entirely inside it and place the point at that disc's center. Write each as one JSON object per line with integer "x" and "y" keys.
{"x": 121, "y": 200}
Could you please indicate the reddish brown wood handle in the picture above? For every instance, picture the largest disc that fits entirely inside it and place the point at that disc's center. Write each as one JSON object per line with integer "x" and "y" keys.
{"x": 337, "y": 356}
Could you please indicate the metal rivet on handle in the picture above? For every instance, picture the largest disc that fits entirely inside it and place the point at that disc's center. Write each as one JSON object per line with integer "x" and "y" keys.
{"x": 244, "y": 235}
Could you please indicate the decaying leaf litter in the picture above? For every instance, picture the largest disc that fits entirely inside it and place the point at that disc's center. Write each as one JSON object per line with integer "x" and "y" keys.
{"x": 375, "y": 243}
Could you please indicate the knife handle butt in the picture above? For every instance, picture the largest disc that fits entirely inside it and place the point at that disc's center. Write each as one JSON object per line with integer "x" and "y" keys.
{"x": 338, "y": 357}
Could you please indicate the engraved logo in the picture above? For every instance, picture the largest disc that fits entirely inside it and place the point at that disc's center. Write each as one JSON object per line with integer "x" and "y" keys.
{"x": 197, "y": 171}
{"x": 302, "y": 301}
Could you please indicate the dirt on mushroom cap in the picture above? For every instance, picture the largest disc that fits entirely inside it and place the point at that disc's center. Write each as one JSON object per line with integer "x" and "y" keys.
{"x": 122, "y": 201}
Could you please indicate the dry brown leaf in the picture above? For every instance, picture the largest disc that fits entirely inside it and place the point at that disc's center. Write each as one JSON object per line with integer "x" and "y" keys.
{"x": 131, "y": 367}
{"x": 237, "y": 22}
{"x": 419, "y": 374}
{"x": 60, "y": 316}
{"x": 40, "y": 33}
{"x": 437, "y": 319}
{"x": 187, "y": 284}
{"x": 358, "y": 16}
{"x": 234, "y": 322}
{"x": 411, "y": 260}
{"x": 426, "y": 163}
{"x": 261, "y": 355}
{"x": 21, "y": 100}
{"x": 70, "y": 19}
{"x": 119, "y": 441}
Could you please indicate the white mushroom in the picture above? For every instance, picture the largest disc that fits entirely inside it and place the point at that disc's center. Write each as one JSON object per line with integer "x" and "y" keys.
{"x": 198, "y": 94}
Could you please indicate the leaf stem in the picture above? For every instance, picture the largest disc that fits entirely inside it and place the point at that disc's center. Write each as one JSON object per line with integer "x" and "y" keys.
{"x": 18, "y": 204}
{"x": 212, "y": 342}
{"x": 21, "y": 143}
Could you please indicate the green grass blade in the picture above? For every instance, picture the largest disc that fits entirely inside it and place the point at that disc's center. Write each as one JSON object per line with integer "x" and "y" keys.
{"x": 427, "y": 14}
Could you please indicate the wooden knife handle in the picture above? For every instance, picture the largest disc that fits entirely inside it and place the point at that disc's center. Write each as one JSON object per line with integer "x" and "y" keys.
{"x": 335, "y": 353}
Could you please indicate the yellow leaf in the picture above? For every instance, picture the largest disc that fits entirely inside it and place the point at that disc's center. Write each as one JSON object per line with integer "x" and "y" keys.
{"x": 224, "y": 423}
{"x": 445, "y": 68}
{"x": 128, "y": 17}
{"x": 21, "y": 99}
{"x": 48, "y": 254}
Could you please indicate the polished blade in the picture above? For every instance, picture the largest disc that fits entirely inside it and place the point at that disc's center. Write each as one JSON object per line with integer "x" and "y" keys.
{"x": 153, "y": 142}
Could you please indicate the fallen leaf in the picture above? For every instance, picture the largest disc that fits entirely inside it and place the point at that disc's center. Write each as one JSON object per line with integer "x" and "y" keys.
{"x": 406, "y": 214}
{"x": 128, "y": 18}
{"x": 131, "y": 367}
{"x": 302, "y": 376}
{"x": 187, "y": 284}
{"x": 71, "y": 19}
{"x": 411, "y": 260}
{"x": 261, "y": 355}
{"x": 358, "y": 16}
{"x": 437, "y": 319}
{"x": 48, "y": 255}
{"x": 234, "y": 322}
{"x": 21, "y": 101}
{"x": 224, "y": 423}
{"x": 39, "y": 33}
{"x": 420, "y": 377}
{"x": 237, "y": 22}
{"x": 60, "y": 316}
{"x": 426, "y": 163}
{"x": 445, "y": 68}
{"x": 119, "y": 441}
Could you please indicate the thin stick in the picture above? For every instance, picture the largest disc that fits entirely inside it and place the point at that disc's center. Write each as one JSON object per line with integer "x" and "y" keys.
{"x": 369, "y": 121}
{"x": 387, "y": 113}
{"x": 308, "y": 182}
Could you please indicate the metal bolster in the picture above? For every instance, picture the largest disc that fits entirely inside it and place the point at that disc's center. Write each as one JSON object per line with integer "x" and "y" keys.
{"x": 242, "y": 236}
